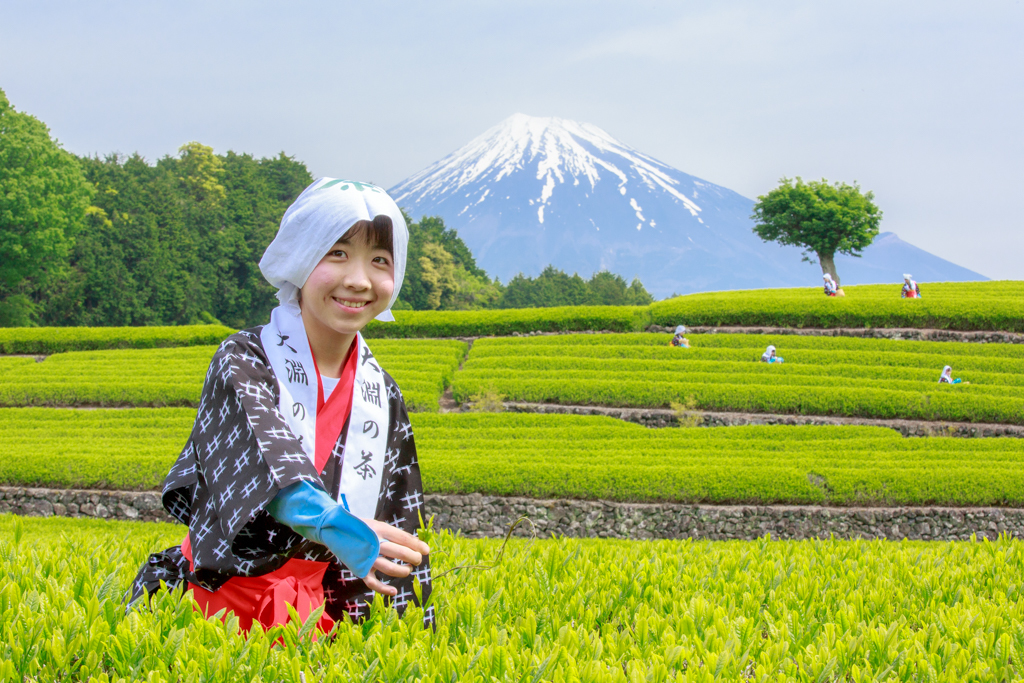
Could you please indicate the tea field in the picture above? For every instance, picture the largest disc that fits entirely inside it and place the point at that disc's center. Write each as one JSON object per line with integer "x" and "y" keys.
{"x": 564, "y": 456}
{"x": 553, "y": 610}
{"x": 877, "y": 378}
{"x": 995, "y": 305}
{"x": 46, "y": 340}
{"x": 174, "y": 376}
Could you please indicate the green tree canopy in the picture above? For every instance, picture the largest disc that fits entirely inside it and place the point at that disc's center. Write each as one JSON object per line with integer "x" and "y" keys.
{"x": 178, "y": 241}
{"x": 555, "y": 288}
{"x": 826, "y": 219}
{"x": 43, "y": 202}
{"x": 441, "y": 273}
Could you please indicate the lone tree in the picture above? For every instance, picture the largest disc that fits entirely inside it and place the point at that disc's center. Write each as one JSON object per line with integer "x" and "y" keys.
{"x": 823, "y": 218}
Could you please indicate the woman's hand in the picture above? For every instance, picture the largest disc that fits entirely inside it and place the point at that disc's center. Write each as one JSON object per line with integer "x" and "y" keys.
{"x": 398, "y": 545}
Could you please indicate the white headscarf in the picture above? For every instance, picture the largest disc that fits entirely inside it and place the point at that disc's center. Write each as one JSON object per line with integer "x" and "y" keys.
{"x": 680, "y": 329}
{"x": 768, "y": 352}
{"x": 827, "y": 276}
{"x": 313, "y": 223}
{"x": 946, "y": 372}
{"x": 906, "y": 277}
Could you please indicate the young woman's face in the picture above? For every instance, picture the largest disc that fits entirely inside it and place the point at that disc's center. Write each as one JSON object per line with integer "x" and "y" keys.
{"x": 350, "y": 286}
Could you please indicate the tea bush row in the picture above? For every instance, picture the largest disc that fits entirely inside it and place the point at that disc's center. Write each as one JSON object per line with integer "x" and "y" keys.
{"x": 555, "y": 610}
{"x": 952, "y": 306}
{"x": 560, "y": 456}
{"x": 174, "y": 377}
{"x": 722, "y": 372}
{"x": 46, "y": 340}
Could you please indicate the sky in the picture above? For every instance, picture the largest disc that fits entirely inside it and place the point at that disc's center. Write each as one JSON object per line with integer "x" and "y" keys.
{"x": 920, "y": 102}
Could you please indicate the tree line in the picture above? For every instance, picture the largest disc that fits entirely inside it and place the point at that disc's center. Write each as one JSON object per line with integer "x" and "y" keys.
{"x": 120, "y": 241}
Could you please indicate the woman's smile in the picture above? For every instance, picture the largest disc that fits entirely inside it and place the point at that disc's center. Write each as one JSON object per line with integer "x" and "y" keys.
{"x": 350, "y": 303}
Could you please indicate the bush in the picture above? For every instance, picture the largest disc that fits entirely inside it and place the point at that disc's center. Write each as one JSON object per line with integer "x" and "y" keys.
{"x": 505, "y": 322}
{"x": 554, "y": 609}
{"x": 842, "y": 376}
{"x": 174, "y": 377}
{"x": 45, "y": 340}
{"x": 952, "y": 306}
{"x": 561, "y": 456}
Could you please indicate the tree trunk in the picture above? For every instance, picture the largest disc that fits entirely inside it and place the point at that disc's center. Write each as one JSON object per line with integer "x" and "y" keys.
{"x": 828, "y": 265}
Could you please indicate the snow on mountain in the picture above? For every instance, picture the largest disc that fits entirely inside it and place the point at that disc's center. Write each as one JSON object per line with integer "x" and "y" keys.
{"x": 533, "y": 191}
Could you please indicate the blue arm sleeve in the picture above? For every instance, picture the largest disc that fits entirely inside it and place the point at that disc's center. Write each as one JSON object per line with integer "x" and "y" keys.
{"x": 315, "y": 515}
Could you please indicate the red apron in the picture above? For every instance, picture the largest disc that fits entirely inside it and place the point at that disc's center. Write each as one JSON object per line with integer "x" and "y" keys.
{"x": 299, "y": 582}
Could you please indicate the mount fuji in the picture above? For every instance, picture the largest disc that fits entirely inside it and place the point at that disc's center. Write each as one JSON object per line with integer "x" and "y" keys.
{"x": 536, "y": 191}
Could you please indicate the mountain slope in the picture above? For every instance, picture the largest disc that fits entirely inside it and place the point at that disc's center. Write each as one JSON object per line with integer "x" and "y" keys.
{"x": 533, "y": 191}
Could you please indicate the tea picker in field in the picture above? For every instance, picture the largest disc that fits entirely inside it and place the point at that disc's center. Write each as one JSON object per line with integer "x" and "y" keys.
{"x": 299, "y": 483}
{"x": 830, "y": 285}
{"x": 910, "y": 289}
{"x": 769, "y": 355}
{"x": 679, "y": 340}
{"x": 947, "y": 377}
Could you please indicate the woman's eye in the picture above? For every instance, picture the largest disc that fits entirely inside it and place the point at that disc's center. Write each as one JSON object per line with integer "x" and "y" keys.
{"x": 338, "y": 253}
{"x": 382, "y": 260}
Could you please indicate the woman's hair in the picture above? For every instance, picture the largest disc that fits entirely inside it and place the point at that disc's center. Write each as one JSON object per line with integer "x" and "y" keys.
{"x": 377, "y": 233}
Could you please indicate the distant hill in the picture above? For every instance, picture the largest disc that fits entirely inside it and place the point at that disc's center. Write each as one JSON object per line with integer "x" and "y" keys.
{"x": 537, "y": 191}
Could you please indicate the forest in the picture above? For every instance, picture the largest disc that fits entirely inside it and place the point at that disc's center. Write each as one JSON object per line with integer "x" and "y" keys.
{"x": 117, "y": 240}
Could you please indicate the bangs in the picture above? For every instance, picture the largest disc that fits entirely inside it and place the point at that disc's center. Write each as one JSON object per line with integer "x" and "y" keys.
{"x": 377, "y": 233}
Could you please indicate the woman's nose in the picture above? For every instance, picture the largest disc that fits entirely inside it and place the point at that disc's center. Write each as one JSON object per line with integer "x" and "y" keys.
{"x": 355, "y": 277}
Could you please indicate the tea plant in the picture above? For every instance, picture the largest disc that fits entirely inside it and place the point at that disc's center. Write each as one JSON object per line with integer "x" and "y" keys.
{"x": 563, "y": 456}
{"x": 821, "y": 376}
{"x": 174, "y": 377}
{"x": 553, "y": 610}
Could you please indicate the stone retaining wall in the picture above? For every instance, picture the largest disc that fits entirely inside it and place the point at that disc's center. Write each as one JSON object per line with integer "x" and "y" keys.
{"x": 490, "y": 516}
{"x": 911, "y": 333}
{"x": 479, "y": 516}
{"x": 129, "y": 505}
{"x": 661, "y": 417}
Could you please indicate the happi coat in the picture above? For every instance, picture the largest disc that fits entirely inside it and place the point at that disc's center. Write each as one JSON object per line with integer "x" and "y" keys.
{"x": 242, "y": 452}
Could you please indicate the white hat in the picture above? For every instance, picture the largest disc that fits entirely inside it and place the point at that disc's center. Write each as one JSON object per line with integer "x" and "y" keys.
{"x": 680, "y": 329}
{"x": 313, "y": 223}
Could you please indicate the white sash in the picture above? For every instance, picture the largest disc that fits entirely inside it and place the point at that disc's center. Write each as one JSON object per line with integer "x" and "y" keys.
{"x": 287, "y": 348}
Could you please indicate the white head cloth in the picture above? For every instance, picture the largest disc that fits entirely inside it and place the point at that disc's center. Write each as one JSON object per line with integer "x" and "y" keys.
{"x": 906, "y": 277}
{"x": 947, "y": 370}
{"x": 313, "y": 223}
{"x": 827, "y": 276}
{"x": 680, "y": 329}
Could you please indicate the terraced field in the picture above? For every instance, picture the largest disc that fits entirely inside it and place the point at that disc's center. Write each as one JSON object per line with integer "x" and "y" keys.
{"x": 553, "y": 610}
{"x": 45, "y": 340}
{"x": 174, "y": 376}
{"x": 945, "y": 305}
{"x": 820, "y": 376}
{"x": 562, "y": 456}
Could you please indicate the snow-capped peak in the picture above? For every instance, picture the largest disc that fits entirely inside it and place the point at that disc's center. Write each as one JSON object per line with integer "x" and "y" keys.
{"x": 557, "y": 151}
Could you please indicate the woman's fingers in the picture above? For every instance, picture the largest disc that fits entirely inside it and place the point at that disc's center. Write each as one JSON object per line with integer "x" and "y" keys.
{"x": 404, "y": 538}
{"x": 374, "y": 584}
{"x": 390, "y": 568}
{"x": 400, "y": 552}
{"x": 396, "y": 535}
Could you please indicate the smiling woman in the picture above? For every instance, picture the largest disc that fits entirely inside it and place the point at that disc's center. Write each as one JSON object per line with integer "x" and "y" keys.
{"x": 300, "y": 480}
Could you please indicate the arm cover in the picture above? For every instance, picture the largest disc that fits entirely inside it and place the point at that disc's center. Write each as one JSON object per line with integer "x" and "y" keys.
{"x": 311, "y": 512}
